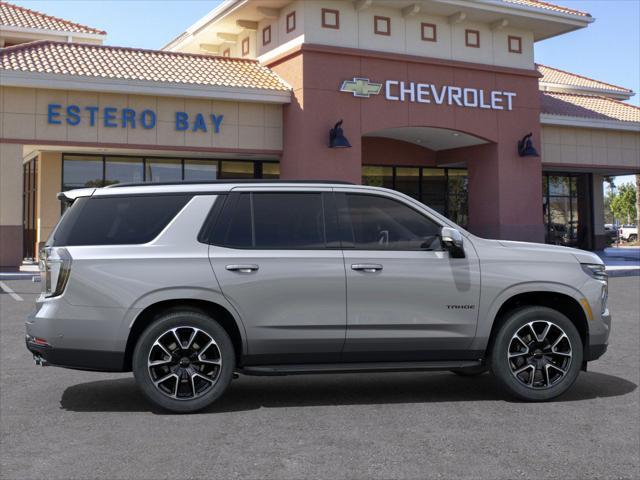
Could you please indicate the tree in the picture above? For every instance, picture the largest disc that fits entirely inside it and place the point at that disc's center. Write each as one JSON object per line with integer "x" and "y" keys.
{"x": 623, "y": 204}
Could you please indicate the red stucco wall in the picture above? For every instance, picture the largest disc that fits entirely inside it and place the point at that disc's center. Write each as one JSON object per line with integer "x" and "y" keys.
{"x": 504, "y": 189}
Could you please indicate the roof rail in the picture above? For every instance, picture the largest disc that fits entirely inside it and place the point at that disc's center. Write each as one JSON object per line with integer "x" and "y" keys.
{"x": 226, "y": 182}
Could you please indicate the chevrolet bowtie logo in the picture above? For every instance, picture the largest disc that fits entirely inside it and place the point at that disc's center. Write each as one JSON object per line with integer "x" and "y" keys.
{"x": 361, "y": 87}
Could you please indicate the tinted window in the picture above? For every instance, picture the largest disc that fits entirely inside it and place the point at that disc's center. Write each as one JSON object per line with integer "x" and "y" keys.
{"x": 288, "y": 220}
{"x": 379, "y": 223}
{"x": 239, "y": 232}
{"x": 117, "y": 220}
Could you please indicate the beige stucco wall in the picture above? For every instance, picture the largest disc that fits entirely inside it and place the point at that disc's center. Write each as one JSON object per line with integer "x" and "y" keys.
{"x": 586, "y": 146}
{"x": 48, "y": 206}
{"x": 10, "y": 184}
{"x": 254, "y": 126}
{"x": 356, "y": 31}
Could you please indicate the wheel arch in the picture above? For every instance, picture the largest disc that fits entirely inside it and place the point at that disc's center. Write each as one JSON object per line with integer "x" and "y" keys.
{"x": 221, "y": 313}
{"x": 563, "y": 302}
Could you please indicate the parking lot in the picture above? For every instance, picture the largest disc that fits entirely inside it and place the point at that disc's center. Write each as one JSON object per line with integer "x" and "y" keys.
{"x": 61, "y": 424}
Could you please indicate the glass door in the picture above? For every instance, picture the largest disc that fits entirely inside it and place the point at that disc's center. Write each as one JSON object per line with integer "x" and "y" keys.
{"x": 29, "y": 179}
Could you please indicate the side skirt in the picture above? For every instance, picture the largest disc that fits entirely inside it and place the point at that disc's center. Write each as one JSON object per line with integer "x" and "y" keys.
{"x": 271, "y": 370}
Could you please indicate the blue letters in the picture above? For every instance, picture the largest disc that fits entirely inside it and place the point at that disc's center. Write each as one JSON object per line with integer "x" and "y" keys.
{"x": 109, "y": 115}
{"x": 199, "y": 124}
{"x": 217, "y": 121}
{"x": 73, "y": 115}
{"x": 182, "y": 121}
{"x": 148, "y": 119}
{"x": 53, "y": 114}
{"x": 92, "y": 115}
{"x": 128, "y": 116}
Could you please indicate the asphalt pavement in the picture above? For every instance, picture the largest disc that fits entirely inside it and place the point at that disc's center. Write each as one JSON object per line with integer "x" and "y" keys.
{"x": 64, "y": 424}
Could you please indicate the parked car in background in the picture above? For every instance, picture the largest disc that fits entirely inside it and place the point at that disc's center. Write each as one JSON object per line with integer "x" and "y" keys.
{"x": 188, "y": 284}
{"x": 612, "y": 232}
{"x": 628, "y": 233}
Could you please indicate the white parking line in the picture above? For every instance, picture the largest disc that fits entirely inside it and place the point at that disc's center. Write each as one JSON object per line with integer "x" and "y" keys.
{"x": 11, "y": 293}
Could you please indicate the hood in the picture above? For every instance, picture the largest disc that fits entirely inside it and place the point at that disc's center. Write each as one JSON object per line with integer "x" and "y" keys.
{"x": 581, "y": 256}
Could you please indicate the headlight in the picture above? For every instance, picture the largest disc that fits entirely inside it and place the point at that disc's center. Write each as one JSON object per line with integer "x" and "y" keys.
{"x": 595, "y": 270}
{"x": 55, "y": 268}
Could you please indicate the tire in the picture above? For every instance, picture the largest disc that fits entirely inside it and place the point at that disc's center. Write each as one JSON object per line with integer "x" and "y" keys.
{"x": 632, "y": 238}
{"x": 196, "y": 374}
{"x": 471, "y": 371}
{"x": 536, "y": 368}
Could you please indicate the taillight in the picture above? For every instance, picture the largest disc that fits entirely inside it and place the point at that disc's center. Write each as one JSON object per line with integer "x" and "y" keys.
{"x": 55, "y": 268}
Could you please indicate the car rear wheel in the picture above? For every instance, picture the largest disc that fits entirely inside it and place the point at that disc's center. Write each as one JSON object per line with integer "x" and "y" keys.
{"x": 183, "y": 361}
{"x": 537, "y": 354}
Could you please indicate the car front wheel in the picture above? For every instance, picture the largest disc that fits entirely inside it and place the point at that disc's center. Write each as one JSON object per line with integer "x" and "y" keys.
{"x": 183, "y": 361}
{"x": 537, "y": 354}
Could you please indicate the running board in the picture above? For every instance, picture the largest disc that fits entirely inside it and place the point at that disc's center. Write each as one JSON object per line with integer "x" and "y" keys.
{"x": 268, "y": 370}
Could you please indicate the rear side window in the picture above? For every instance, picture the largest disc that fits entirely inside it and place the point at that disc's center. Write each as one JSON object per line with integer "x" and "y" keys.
{"x": 283, "y": 221}
{"x": 117, "y": 220}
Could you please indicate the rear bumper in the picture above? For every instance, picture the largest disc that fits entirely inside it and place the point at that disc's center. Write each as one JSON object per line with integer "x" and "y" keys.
{"x": 75, "y": 359}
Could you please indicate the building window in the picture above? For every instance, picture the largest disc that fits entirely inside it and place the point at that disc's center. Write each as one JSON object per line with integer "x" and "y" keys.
{"x": 515, "y": 44}
{"x": 330, "y": 18}
{"x": 472, "y": 38}
{"x": 266, "y": 35}
{"x": 226, "y": 52}
{"x": 245, "y": 47}
{"x": 443, "y": 189}
{"x": 82, "y": 171}
{"x": 566, "y": 198}
{"x": 291, "y": 22}
{"x": 382, "y": 25}
{"x": 429, "y": 33}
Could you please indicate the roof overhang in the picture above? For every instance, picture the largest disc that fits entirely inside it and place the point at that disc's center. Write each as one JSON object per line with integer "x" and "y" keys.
{"x": 564, "y": 88}
{"x": 12, "y": 78}
{"x": 38, "y": 33}
{"x": 543, "y": 23}
{"x": 581, "y": 122}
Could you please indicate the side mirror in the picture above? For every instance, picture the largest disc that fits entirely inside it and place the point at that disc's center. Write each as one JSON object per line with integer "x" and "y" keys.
{"x": 452, "y": 241}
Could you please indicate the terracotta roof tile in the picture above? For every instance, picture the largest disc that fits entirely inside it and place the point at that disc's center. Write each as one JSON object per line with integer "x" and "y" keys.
{"x": 137, "y": 64}
{"x": 15, "y": 16}
{"x": 560, "y": 77}
{"x": 548, "y": 6}
{"x": 588, "y": 106}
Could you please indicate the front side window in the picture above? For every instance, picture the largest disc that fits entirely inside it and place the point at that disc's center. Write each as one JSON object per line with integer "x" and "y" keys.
{"x": 282, "y": 221}
{"x": 380, "y": 223}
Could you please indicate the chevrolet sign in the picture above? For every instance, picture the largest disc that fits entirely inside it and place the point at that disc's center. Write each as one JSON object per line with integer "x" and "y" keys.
{"x": 399, "y": 91}
{"x": 361, "y": 87}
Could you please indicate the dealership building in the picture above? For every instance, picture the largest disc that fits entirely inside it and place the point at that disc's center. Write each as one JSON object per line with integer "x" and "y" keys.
{"x": 439, "y": 99}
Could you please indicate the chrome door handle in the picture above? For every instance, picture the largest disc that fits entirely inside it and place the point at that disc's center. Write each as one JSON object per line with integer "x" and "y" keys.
{"x": 242, "y": 268}
{"x": 367, "y": 267}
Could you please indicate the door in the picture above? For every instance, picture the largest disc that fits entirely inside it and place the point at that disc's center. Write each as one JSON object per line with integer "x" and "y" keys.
{"x": 406, "y": 298}
{"x": 278, "y": 262}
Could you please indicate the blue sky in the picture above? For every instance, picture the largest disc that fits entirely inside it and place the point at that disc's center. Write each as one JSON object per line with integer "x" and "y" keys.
{"x": 608, "y": 50}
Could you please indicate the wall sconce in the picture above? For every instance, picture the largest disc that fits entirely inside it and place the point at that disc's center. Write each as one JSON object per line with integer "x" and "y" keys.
{"x": 337, "y": 138}
{"x": 525, "y": 147}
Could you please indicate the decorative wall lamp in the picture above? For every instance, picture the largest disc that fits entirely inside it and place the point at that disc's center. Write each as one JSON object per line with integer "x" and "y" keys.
{"x": 525, "y": 147}
{"x": 337, "y": 138}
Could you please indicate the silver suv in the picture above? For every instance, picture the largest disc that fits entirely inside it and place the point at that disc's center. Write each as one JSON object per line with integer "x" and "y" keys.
{"x": 189, "y": 284}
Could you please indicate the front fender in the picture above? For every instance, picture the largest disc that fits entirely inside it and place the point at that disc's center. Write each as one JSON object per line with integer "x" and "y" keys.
{"x": 489, "y": 312}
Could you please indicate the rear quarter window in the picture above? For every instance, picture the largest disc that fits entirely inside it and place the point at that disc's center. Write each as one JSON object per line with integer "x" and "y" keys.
{"x": 117, "y": 220}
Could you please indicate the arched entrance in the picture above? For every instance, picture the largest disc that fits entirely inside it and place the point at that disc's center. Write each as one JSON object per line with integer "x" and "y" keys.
{"x": 429, "y": 164}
